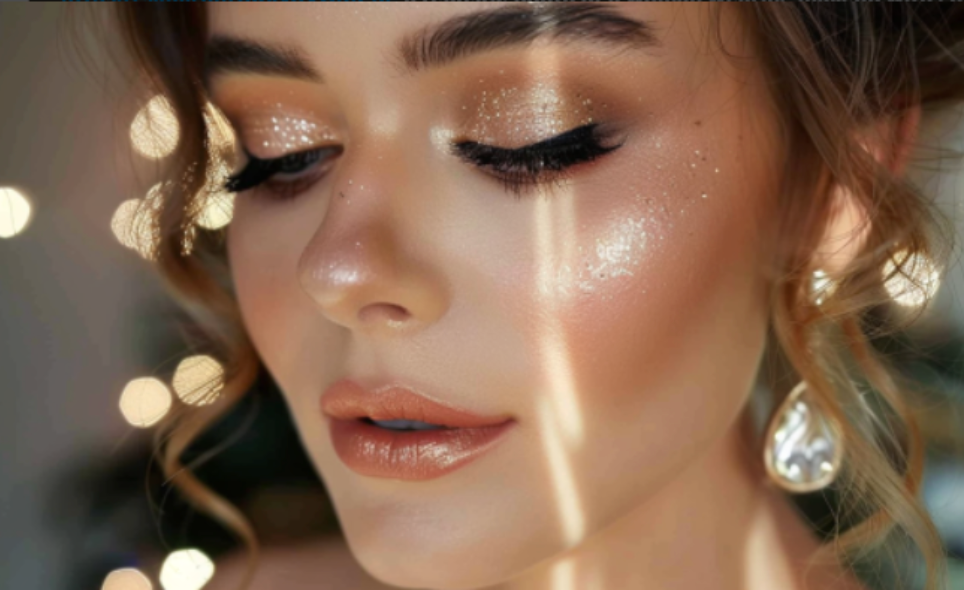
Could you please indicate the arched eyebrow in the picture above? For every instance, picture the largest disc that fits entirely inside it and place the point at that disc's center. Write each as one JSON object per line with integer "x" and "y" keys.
{"x": 522, "y": 24}
{"x": 456, "y": 38}
{"x": 225, "y": 54}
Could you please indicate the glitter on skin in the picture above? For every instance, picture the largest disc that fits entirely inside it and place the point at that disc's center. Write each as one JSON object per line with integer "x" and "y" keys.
{"x": 616, "y": 254}
{"x": 278, "y": 131}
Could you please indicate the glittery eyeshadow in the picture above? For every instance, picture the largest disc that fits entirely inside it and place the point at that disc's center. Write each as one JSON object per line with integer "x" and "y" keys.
{"x": 273, "y": 130}
{"x": 512, "y": 116}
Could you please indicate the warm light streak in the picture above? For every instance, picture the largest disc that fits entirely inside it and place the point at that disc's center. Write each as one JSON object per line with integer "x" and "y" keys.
{"x": 557, "y": 260}
{"x": 198, "y": 380}
{"x": 564, "y": 575}
{"x": 144, "y": 402}
{"x": 569, "y": 505}
{"x": 15, "y": 212}
{"x": 186, "y": 569}
{"x": 126, "y": 579}
{"x": 912, "y": 280}
{"x": 554, "y": 250}
{"x": 155, "y": 131}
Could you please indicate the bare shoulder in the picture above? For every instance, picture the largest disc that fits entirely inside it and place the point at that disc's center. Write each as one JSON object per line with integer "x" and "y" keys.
{"x": 325, "y": 564}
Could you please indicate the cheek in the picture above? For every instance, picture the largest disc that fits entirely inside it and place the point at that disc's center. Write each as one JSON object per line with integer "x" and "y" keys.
{"x": 651, "y": 314}
{"x": 259, "y": 283}
{"x": 264, "y": 242}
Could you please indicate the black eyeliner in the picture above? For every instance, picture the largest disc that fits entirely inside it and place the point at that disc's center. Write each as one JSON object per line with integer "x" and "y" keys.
{"x": 257, "y": 171}
{"x": 530, "y": 164}
{"x": 254, "y": 173}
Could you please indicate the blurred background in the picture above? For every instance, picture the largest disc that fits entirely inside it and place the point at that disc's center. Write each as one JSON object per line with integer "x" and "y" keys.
{"x": 94, "y": 353}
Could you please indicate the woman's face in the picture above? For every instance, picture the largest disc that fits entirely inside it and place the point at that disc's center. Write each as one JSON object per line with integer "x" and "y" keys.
{"x": 600, "y": 296}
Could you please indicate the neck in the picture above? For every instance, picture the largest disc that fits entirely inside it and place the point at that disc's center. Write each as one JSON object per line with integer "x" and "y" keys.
{"x": 716, "y": 526}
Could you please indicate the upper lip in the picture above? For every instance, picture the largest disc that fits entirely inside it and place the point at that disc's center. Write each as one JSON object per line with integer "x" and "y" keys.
{"x": 347, "y": 400}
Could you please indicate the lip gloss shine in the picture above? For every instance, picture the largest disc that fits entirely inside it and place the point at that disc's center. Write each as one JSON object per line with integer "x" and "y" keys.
{"x": 413, "y": 455}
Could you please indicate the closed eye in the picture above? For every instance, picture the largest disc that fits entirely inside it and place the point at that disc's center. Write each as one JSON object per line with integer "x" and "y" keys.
{"x": 286, "y": 176}
{"x": 542, "y": 162}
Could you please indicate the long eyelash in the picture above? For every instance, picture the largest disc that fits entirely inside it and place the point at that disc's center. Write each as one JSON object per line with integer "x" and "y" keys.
{"x": 258, "y": 171}
{"x": 540, "y": 163}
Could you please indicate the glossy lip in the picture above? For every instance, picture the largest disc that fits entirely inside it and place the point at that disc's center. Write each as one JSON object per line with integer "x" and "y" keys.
{"x": 413, "y": 455}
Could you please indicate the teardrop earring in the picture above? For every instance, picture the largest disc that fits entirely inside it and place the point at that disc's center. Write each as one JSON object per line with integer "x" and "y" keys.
{"x": 803, "y": 451}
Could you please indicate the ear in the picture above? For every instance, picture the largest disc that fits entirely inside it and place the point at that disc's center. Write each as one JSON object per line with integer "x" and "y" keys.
{"x": 848, "y": 224}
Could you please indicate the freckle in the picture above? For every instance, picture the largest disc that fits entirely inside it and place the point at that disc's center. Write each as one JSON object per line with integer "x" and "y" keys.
{"x": 697, "y": 122}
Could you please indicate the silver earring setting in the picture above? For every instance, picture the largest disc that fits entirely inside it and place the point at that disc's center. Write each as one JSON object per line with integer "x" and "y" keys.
{"x": 803, "y": 449}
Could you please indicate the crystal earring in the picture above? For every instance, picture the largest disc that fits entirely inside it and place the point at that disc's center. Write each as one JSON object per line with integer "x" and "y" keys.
{"x": 804, "y": 447}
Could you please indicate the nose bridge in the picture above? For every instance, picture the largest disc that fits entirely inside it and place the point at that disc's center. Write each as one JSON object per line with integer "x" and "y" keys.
{"x": 361, "y": 266}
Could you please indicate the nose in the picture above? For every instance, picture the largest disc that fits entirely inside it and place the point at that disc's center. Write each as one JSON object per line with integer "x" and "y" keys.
{"x": 365, "y": 277}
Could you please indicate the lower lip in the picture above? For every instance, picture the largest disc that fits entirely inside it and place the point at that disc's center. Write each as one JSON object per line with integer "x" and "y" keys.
{"x": 414, "y": 455}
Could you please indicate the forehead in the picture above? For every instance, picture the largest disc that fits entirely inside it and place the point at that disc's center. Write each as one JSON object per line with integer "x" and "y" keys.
{"x": 339, "y": 35}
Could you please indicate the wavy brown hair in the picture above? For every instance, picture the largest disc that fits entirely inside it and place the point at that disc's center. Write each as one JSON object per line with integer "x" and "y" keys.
{"x": 836, "y": 70}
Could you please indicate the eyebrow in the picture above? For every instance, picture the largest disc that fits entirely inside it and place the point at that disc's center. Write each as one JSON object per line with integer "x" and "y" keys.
{"x": 453, "y": 39}
{"x": 225, "y": 54}
{"x": 515, "y": 25}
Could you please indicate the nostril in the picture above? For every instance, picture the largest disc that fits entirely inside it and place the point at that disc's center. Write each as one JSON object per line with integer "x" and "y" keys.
{"x": 383, "y": 312}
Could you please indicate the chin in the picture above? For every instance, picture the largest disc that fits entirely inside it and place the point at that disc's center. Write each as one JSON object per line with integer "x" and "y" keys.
{"x": 430, "y": 547}
{"x": 434, "y": 568}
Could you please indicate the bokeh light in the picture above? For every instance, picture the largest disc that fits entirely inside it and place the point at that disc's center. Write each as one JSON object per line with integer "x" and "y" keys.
{"x": 154, "y": 130}
{"x": 15, "y": 212}
{"x": 126, "y": 579}
{"x": 198, "y": 380}
{"x": 821, "y": 286}
{"x": 220, "y": 133}
{"x": 133, "y": 223}
{"x": 186, "y": 569}
{"x": 218, "y": 204}
{"x": 145, "y": 401}
{"x": 122, "y": 222}
{"x": 911, "y": 280}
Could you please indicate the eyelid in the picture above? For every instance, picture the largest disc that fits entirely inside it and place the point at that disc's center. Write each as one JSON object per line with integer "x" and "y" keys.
{"x": 275, "y": 133}
{"x": 543, "y": 162}
{"x": 260, "y": 171}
